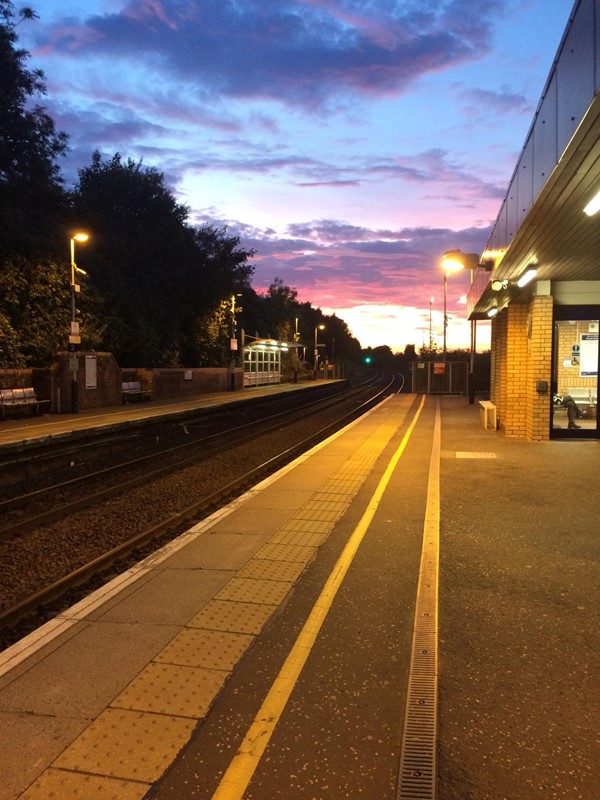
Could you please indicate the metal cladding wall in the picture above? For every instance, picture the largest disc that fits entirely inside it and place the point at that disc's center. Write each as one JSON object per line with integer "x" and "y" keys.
{"x": 568, "y": 94}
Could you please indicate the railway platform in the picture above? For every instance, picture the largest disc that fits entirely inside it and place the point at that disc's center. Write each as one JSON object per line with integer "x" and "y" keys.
{"x": 411, "y": 609}
{"x": 15, "y": 430}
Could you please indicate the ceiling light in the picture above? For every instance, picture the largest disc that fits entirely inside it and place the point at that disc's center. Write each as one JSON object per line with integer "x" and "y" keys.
{"x": 593, "y": 206}
{"x": 497, "y": 285}
{"x": 492, "y": 312}
{"x": 527, "y": 276}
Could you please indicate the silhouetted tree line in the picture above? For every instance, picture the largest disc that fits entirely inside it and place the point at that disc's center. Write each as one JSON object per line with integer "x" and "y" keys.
{"x": 158, "y": 290}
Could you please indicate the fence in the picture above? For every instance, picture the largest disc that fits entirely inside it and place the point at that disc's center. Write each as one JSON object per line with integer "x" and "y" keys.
{"x": 440, "y": 377}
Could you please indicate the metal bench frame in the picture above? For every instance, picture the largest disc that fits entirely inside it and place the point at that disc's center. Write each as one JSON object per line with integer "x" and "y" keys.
{"x": 133, "y": 390}
{"x": 20, "y": 399}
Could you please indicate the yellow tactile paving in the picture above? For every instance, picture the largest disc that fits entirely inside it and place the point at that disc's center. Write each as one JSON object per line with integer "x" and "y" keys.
{"x": 287, "y": 552}
{"x": 251, "y": 590}
{"x": 58, "y": 784}
{"x": 307, "y": 525}
{"x": 225, "y": 615}
{"x": 172, "y": 689}
{"x": 127, "y": 744}
{"x": 320, "y": 516}
{"x": 336, "y": 506}
{"x": 325, "y": 495}
{"x": 209, "y": 649}
{"x": 272, "y": 570}
{"x": 301, "y": 538}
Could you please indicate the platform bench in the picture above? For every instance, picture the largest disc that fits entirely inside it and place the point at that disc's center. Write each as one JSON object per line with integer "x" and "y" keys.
{"x": 487, "y": 414}
{"x": 584, "y": 399}
{"x": 20, "y": 400}
{"x": 132, "y": 390}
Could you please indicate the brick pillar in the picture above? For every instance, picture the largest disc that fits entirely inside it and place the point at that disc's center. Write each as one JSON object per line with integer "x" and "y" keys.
{"x": 521, "y": 355}
{"x": 515, "y": 412}
{"x": 539, "y": 367}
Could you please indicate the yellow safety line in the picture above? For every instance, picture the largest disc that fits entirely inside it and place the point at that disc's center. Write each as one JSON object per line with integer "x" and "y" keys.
{"x": 239, "y": 773}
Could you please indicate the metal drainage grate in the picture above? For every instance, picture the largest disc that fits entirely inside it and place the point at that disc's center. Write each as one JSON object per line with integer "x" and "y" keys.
{"x": 417, "y": 775}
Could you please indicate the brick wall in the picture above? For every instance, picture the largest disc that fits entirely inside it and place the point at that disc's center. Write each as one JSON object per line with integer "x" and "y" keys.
{"x": 539, "y": 368}
{"x": 521, "y": 356}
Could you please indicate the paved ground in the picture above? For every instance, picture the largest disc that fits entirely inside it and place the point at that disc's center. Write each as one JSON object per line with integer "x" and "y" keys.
{"x": 519, "y": 634}
{"x": 519, "y": 616}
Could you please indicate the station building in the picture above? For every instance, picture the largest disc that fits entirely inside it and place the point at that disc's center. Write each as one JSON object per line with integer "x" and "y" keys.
{"x": 539, "y": 277}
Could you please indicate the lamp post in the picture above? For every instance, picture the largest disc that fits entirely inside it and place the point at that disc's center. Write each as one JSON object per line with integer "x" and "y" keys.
{"x": 75, "y": 334}
{"x": 233, "y": 343}
{"x": 316, "y": 366}
{"x": 430, "y": 330}
{"x": 453, "y": 261}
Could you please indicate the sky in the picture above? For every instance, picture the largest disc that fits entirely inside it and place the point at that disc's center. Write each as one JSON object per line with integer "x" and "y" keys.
{"x": 350, "y": 143}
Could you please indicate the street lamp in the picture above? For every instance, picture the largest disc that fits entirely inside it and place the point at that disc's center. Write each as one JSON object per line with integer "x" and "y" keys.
{"x": 75, "y": 335}
{"x": 233, "y": 343}
{"x": 449, "y": 264}
{"x": 317, "y": 329}
{"x": 452, "y": 261}
{"x": 430, "y": 330}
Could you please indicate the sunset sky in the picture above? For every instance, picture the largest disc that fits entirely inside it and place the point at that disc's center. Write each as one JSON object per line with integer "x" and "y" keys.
{"x": 349, "y": 142}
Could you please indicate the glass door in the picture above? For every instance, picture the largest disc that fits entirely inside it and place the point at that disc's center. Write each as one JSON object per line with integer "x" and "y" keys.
{"x": 575, "y": 377}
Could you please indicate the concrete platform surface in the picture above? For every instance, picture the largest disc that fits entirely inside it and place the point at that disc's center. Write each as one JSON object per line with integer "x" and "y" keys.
{"x": 150, "y": 687}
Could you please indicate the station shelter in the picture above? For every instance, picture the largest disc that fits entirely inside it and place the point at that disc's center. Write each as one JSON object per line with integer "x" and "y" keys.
{"x": 262, "y": 361}
{"x": 538, "y": 279}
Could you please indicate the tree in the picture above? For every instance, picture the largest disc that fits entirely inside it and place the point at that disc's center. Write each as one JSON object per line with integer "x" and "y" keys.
{"x": 155, "y": 276}
{"x": 33, "y": 207}
{"x": 32, "y": 201}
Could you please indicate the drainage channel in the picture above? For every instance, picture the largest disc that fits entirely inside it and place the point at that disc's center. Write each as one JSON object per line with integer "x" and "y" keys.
{"x": 417, "y": 775}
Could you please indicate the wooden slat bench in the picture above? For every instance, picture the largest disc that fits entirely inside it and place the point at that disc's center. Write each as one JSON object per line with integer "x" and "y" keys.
{"x": 20, "y": 400}
{"x": 132, "y": 390}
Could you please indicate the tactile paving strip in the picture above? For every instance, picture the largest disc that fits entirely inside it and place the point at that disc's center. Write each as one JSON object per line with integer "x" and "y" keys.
{"x": 302, "y": 538}
{"x": 308, "y": 525}
{"x": 58, "y": 784}
{"x": 225, "y": 615}
{"x": 287, "y": 552}
{"x": 208, "y": 649}
{"x": 287, "y": 571}
{"x": 254, "y": 591}
{"x": 172, "y": 689}
{"x": 128, "y": 744}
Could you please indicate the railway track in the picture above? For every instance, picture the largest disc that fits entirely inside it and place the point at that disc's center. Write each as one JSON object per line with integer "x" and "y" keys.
{"x": 79, "y": 533}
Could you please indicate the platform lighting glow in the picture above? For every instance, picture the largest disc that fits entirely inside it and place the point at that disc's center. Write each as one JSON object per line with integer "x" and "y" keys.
{"x": 593, "y": 206}
{"x": 451, "y": 263}
{"x": 495, "y": 254}
{"x": 492, "y": 312}
{"x": 526, "y": 277}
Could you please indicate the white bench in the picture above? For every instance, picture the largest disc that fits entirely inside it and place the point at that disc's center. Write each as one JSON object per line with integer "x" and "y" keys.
{"x": 487, "y": 414}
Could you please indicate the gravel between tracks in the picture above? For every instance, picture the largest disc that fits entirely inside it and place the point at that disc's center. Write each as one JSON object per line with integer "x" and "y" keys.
{"x": 41, "y": 557}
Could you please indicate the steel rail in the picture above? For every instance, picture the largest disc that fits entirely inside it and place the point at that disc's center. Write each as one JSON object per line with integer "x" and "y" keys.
{"x": 44, "y": 597}
{"x": 199, "y": 450}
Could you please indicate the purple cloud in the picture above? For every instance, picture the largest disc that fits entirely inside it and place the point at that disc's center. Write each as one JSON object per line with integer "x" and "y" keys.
{"x": 295, "y": 52}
